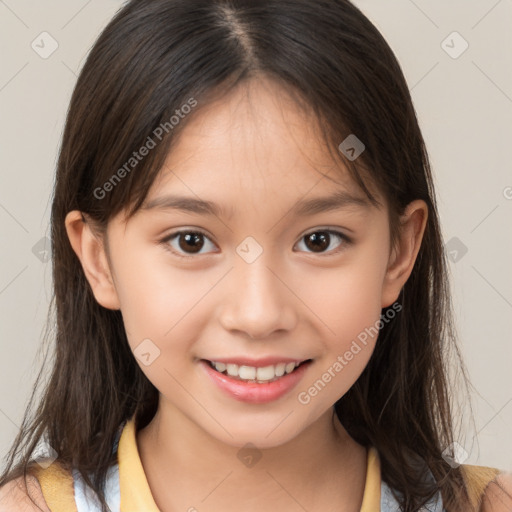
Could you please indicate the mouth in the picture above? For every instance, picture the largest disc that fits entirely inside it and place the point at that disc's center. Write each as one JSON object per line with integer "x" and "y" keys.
{"x": 256, "y": 384}
{"x": 253, "y": 374}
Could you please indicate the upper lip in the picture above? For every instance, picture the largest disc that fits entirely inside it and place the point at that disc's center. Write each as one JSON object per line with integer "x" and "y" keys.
{"x": 257, "y": 363}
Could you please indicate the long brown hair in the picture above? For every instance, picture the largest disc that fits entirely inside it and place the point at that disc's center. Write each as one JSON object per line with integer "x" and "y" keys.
{"x": 154, "y": 57}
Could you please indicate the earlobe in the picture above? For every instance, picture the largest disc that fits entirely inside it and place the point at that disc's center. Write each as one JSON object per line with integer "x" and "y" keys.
{"x": 403, "y": 255}
{"x": 90, "y": 250}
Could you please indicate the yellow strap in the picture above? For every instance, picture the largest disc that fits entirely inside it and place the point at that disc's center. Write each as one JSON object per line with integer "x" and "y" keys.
{"x": 135, "y": 491}
{"x": 57, "y": 486}
{"x": 477, "y": 479}
{"x": 371, "y": 497}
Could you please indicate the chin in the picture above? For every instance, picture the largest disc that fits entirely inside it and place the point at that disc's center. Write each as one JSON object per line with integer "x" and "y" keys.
{"x": 260, "y": 434}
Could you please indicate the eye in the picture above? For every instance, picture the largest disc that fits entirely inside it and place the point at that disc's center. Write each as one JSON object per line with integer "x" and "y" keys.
{"x": 188, "y": 242}
{"x": 319, "y": 241}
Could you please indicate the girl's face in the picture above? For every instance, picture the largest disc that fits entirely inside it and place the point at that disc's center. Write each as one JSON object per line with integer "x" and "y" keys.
{"x": 260, "y": 276}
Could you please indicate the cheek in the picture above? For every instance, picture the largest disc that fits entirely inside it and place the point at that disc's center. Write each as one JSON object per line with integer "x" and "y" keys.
{"x": 348, "y": 303}
{"x": 347, "y": 299}
{"x": 154, "y": 296}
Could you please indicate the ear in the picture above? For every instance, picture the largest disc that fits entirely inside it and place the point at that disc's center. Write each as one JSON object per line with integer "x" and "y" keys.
{"x": 89, "y": 248}
{"x": 403, "y": 255}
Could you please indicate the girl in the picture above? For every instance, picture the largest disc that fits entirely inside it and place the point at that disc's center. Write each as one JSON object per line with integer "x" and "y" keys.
{"x": 250, "y": 287}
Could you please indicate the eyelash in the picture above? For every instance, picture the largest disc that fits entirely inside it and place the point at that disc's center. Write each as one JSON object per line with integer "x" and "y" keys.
{"x": 165, "y": 242}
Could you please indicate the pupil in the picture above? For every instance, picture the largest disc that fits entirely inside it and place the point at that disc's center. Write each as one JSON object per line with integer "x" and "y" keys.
{"x": 320, "y": 241}
{"x": 195, "y": 242}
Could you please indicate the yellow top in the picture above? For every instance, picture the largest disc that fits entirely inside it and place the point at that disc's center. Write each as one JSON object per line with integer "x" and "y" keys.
{"x": 58, "y": 487}
{"x": 58, "y": 490}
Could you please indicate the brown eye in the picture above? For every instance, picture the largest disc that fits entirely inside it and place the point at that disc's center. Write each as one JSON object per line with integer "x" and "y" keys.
{"x": 320, "y": 241}
{"x": 189, "y": 243}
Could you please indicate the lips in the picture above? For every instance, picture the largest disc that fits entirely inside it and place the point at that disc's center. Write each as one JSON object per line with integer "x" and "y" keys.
{"x": 253, "y": 391}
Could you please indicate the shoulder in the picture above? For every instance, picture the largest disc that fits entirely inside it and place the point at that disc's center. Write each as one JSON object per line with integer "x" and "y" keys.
{"x": 14, "y": 496}
{"x": 498, "y": 494}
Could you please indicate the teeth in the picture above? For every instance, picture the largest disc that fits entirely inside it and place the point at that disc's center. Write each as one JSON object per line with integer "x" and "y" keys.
{"x": 232, "y": 370}
{"x": 279, "y": 371}
{"x": 250, "y": 373}
{"x": 247, "y": 372}
{"x": 289, "y": 367}
{"x": 220, "y": 367}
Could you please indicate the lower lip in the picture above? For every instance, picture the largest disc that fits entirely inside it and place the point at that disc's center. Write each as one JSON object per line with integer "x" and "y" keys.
{"x": 252, "y": 392}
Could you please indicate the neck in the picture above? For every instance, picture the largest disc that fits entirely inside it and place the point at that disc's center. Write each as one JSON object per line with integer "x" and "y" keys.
{"x": 193, "y": 468}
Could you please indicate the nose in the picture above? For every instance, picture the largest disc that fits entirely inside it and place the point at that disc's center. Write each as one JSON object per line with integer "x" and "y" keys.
{"x": 259, "y": 301}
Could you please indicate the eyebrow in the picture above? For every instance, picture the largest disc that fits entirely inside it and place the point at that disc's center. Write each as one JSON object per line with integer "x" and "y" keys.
{"x": 303, "y": 207}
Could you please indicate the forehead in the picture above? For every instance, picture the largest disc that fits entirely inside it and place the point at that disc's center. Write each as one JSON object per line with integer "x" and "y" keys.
{"x": 258, "y": 120}
{"x": 253, "y": 146}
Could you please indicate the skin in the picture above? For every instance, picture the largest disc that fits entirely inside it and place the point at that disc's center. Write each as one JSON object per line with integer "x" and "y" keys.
{"x": 498, "y": 495}
{"x": 256, "y": 154}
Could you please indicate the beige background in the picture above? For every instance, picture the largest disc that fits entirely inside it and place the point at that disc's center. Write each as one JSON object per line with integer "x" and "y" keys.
{"x": 464, "y": 104}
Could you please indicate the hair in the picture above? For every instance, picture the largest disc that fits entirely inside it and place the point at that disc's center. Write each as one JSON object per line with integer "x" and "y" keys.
{"x": 154, "y": 57}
